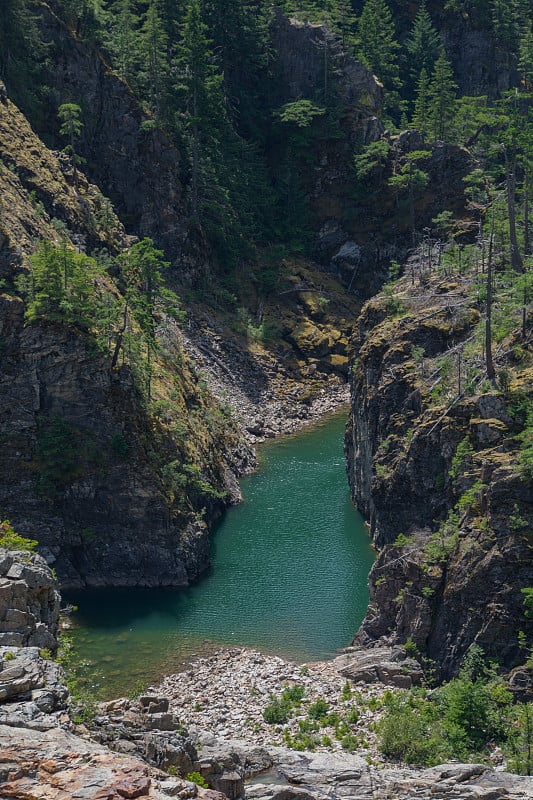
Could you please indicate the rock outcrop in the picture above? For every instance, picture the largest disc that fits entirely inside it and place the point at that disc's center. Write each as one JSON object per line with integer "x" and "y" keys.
{"x": 29, "y": 601}
{"x": 107, "y": 519}
{"x": 452, "y": 531}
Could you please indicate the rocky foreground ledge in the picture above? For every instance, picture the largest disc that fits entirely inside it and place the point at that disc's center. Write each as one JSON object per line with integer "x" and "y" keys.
{"x": 207, "y": 719}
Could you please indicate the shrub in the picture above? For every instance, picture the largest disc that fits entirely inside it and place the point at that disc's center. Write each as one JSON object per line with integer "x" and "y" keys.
{"x": 13, "y": 541}
{"x": 410, "y": 647}
{"x": 276, "y": 712}
{"x": 318, "y": 709}
{"x": 462, "y": 454}
{"x": 197, "y": 778}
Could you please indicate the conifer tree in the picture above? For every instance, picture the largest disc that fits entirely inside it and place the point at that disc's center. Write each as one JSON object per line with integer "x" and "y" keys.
{"x": 525, "y": 64}
{"x": 238, "y": 32}
{"x": 341, "y": 18}
{"x": 378, "y": 49}
{"x": 421, "y": 119}
{"x": 442, "y": 99}
{"x": 22, "y": 52}
{"x": 71, "y": 125}
{"x": 122, "y": 40}
{"x": 154, "y": 55}
{"x": 421, "y": 47}
{"x": 201, "y": 86}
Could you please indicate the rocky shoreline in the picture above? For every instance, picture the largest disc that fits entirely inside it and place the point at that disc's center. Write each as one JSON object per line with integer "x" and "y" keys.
{"x": 205, "y": 721}
{"x": 262, "y": 397}
{"x": 223, "y": 696}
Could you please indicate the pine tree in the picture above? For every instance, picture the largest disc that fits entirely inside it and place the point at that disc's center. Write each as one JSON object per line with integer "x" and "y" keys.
{"x": 525, "y": 63}
{"x": 239, "y": 35}
{"x": 341, "y": 18}
{"x": 421, "y": 118}
{"x": 201, "y": 86}
{"x": 154, "y": 54}
{"x": 378, "y": 49}
{"x": 509, "y": 20}
{"x": 122, "y": 40}
{"x": 22, "y": 52}
{"x": 71, "y": 125}
{"x": 442, "y": 99}
{"x": 422, "y": 47}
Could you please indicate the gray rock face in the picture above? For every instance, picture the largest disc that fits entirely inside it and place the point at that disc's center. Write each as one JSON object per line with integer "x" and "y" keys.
{"x": 30, "y": 687}
{"x": 400, "y": 449}
{"x": 29, "y": 601}
{"x": 380, "y": 664}
{"x": 135, "y": 165}
{"x": 291, "y": 775}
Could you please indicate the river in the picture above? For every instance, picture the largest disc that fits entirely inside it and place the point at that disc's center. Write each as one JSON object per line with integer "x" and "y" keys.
{"x": 289, "y": 576}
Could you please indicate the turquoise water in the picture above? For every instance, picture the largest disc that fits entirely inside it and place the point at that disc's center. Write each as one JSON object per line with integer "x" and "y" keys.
{"x": 289, "y": 575}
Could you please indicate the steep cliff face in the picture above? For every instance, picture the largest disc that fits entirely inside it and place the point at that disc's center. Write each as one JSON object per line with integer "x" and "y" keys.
{"x": 135, "y": 163}
{"x": 437, "y": 476}
{"x": 89, "y": 468}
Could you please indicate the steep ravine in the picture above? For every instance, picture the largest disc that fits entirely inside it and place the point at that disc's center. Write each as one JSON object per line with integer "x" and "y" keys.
{"x": 444, "y": 587}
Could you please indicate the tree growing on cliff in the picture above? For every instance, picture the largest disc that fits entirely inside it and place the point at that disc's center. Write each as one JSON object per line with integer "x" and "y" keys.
{"x": 200, "y": 85}
{"x": 378, "y": 50}
{"x": 409, "y": 180}
{"x": 146, "y": 295}
{"x": 441, "y": 100}
{"x": 153, "y": 48}
{"x": 122, "y": 40}
{"x": 69, "y": 116}
{"x": 421, "y": 49}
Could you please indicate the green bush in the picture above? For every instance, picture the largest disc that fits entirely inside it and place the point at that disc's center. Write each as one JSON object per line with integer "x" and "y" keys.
{"x": 13, "y": 541}
{"x": 408, "y": 732}
{"x": 462, "y": 455}
{"x": 459, "y": 720}
{"x": 318, "y": 709}
{"x": 277, "y": 712}
{"x": 198, "y": 779}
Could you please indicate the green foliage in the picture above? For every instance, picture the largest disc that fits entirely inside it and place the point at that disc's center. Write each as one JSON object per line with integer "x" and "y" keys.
{"x": 305, "y": 738}
{"x": 525, "y": 458}
{"x": 69, "y": 287}
{"x": 441, "y": 100}
{"x": 198, "y": 779}
{"x": 442, "y": 544}
{"x": 120, "y": 446}
{"x": 346, "y": 691}
{"x": 378, "y": 49}
{"x": 83, "y": 700}
{"x": 459, "y": 720}
{"x": 280, "y": 709}
{"x": 421, "y": 47}
{"x": 463, "y": 454}
{"x": 14, "y": 541}
{"x": 372, "y": 160}
{"x": 23, "y": 54}
{"x": 300, "y": 113}
{"x": 277, "y": 712}
{"x": 409, "y": 732}
{"x": 528, "y": 601}
{"x": 410, "y": 647}
{"x": 402, "y": 540}
{"x": 318, "y": 709}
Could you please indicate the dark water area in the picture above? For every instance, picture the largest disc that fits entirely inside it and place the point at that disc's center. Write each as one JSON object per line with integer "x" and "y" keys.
{"x": 289, "y": 576}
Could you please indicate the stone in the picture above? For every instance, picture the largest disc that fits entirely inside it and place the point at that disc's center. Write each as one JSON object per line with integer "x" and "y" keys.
{"x": 349, "y": 256}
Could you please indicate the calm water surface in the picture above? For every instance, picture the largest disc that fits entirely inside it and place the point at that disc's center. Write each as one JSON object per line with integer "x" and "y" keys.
{"x": 289, "y": 576}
